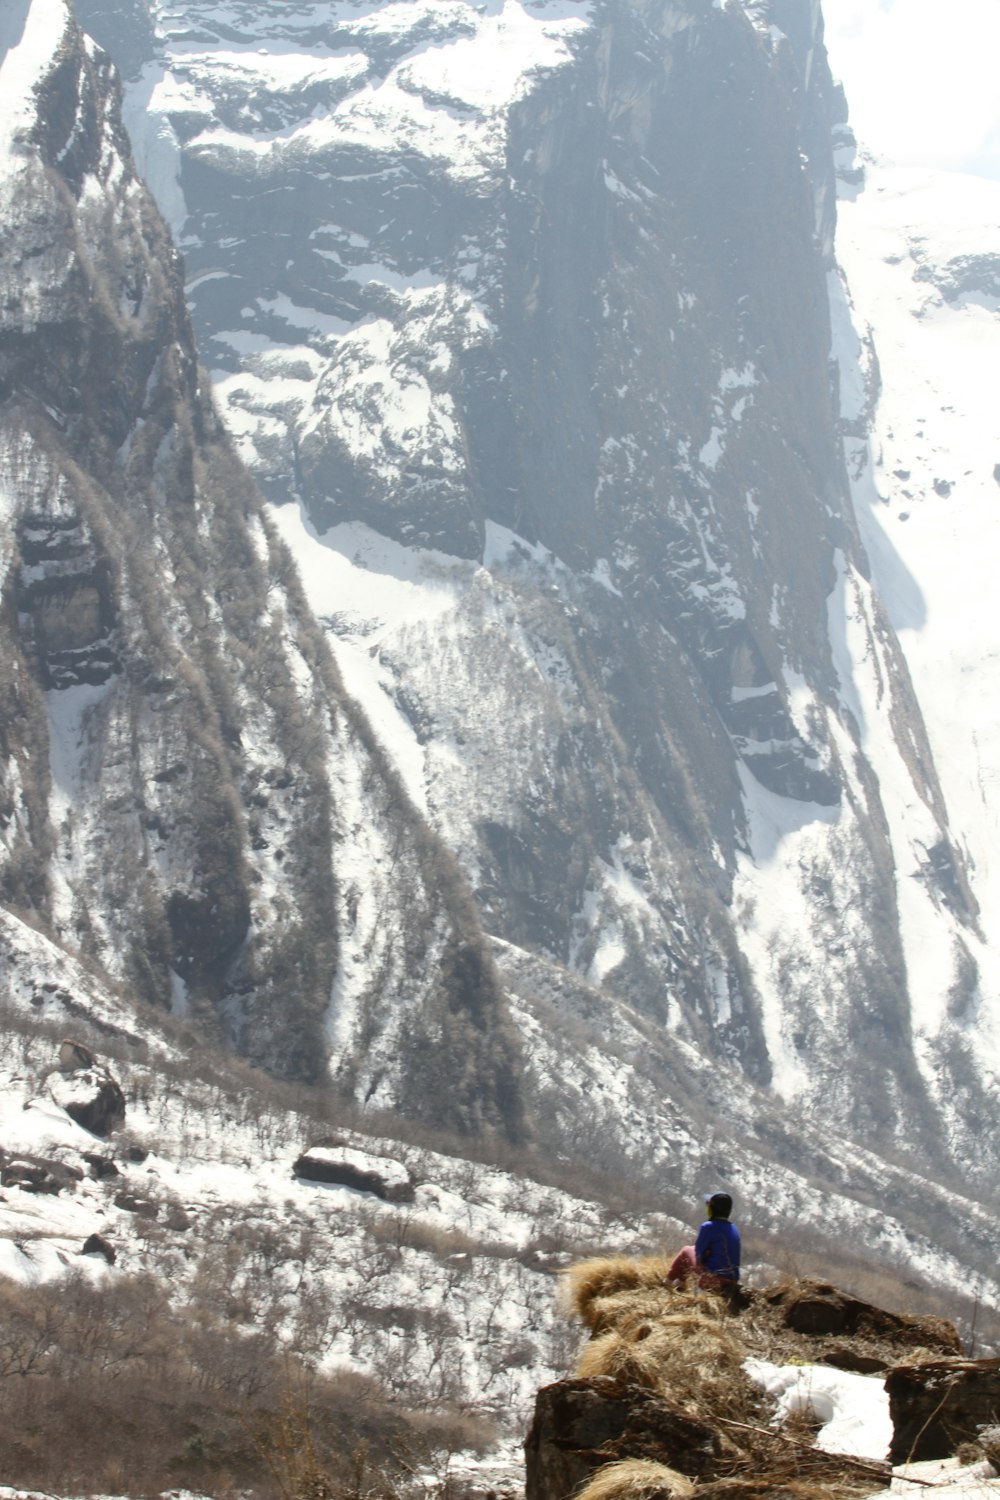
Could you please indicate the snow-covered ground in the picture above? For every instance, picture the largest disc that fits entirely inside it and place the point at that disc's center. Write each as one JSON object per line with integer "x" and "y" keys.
{"x": 917, "y": 329}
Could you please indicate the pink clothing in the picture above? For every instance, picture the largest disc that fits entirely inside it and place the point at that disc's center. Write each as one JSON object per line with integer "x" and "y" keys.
{"x": 685, "y": 1265}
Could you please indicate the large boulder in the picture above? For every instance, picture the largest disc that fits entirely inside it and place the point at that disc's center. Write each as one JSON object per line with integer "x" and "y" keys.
{"x": 345, "y": 1166}
{"x": 581, "y": 1425}
{"x": 937, "y": 1407}
{"x": 818, "y": 1309}
{"x": 91, "y": 1097}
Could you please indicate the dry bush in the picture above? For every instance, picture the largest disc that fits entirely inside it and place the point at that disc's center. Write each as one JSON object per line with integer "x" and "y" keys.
{"x": 604, "y": 1275}
{"x": 108, "y": 1387}
{"x": 637, "y": 1479}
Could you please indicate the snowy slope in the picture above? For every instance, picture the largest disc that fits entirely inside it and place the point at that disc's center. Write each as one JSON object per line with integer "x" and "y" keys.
{"x": 918, "y": 343}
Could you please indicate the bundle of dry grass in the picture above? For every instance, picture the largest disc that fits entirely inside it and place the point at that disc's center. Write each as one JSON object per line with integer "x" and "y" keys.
{"x": 688, "y": 1356}
{"x": 590, "y": 1283}
{"x": 780, "y": 1487}
{"x": 637, "y": 1479}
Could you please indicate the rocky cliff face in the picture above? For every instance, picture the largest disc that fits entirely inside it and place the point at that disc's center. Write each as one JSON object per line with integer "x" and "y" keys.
{"x": 537, "y": 294}
{"x": 189, "y": 796}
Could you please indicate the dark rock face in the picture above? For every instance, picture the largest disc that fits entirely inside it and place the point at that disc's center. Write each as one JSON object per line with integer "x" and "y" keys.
{"x": 579, "y": 1425}
{"x": 154, "y": 631}
{"x": 605, "y": 328}
{"x": 937, "y": 1407}
{"x": 344, "y": 1167}
{"x": 96, "y": 1244}
{"x": 819, "y": 1309}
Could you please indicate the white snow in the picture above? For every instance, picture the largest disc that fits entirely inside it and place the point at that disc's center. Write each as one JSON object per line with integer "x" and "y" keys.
{"x": 928, "y": 504}
{"x": 854, "y": 1409}
{"x": 30, "y": 33}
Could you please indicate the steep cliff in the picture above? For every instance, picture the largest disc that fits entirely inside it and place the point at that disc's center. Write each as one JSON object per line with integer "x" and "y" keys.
{"x": 536, "y": 294}
{"x": 189, "y": 796}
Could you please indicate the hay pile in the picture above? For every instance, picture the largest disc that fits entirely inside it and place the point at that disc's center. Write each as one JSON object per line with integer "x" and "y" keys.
{"x": 689, "y": 1346}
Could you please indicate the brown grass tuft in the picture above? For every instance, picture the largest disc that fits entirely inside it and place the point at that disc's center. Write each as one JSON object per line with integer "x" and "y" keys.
{"x": 636, "y": 1479}
{"x": 688, "y": 1356}
{"x": 605, "y": 1275}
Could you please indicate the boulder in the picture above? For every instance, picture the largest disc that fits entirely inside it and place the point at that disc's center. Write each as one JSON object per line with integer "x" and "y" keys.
{"x": 345, "y": 1166}
{"x": 937, "y": 1407}
{"x": 580, "y": 1425}
{"x": 96, "y": 1244}
{"x": 101, "y": 1167}
{"x": 132, "y": 1203}
{"x": 91, "y": 1097}
{"x": 74, "y": 1057}
{"x": 37, "y": 1174}
{"x": 819, "y": 1309}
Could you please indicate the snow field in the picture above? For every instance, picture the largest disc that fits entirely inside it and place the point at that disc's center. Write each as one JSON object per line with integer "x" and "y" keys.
{"x": 916, "y": 249}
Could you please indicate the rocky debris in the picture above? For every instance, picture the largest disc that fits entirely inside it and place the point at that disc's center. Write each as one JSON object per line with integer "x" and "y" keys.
{"x": 345, "y": 1166}
{"x": 818, "y": 1309}
{"x": 666, "y": 1378}
{"x": 938, "y": 1406}
{"x": 37, "y": 1174}
{"x": 91, "y": 1097}
{"x": 96, "y": 1244}
{"x": 101, "y": 1167}
{"x": 581, "y": 1425}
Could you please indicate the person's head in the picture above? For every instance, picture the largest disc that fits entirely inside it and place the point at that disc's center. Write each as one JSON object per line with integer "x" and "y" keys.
{"x": 719, "y": 1205}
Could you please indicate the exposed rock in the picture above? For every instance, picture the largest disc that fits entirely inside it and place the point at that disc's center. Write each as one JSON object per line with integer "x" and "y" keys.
{"x": 74, "y": 1056}
{"x": 37, "y": 1174}
{"x": 92, "y": 1098}
{"x": 817, "y": 1308}
{"x": 938, "y": 1406}
{"x": 347, "y": 1167}
{"x": 579, "y": 1425}
{"x": 96, "y": 1244}
{"x": 101, "y": 1167}
{"x": 132, "y": 1203}
{"x": 843, "y": 1357}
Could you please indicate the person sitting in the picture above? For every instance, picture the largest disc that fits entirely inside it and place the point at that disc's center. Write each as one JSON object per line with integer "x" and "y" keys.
{"x": 715, "y": 1255}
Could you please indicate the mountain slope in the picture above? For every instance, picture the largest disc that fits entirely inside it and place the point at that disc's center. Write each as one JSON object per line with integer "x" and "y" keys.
{"x": 189, "y": 795}
{"x": 522, "y": 287}
{"x": 659, "y": 775}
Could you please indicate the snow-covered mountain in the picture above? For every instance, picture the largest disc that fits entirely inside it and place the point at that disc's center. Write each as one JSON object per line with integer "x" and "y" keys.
{"x": 520, "y": 319}
{"x": 571, "y": 789}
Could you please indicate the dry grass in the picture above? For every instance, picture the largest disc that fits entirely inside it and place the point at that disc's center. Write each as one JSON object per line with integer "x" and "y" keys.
{"x": 688, "y": 1356}
{"x": 689, "y": 1347}
{"x": 636, "y": 1479}
{"x": 589, "y": 1282}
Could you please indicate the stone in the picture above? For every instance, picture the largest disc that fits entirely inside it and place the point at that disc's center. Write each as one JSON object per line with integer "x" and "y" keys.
{"x": 101, "y": 1167}
{"x": 817, "y": 1308}
{"x": 96, "y": 1244}
{"x": 37, "y": 1174}
{"x": 74, "y": 1056}
{"x": 937, "y": 1407}
{"x": 580, "y": 1425}
{"x": 143, "y": 1208}
{"x": 344, "y": 1166}
{"x": 91, "y": 1097}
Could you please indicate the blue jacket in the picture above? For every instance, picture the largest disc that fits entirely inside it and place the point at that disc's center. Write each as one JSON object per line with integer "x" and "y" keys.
{"x": 717, "y": 1249}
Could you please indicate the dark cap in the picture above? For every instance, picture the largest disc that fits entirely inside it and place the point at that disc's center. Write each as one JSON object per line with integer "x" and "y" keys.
{"x": 719, "y": 1205}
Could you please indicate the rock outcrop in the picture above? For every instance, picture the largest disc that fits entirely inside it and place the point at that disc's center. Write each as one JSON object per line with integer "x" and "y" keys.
{"x": 344, "y": 1166}
{"x": 938, "y": 1406}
